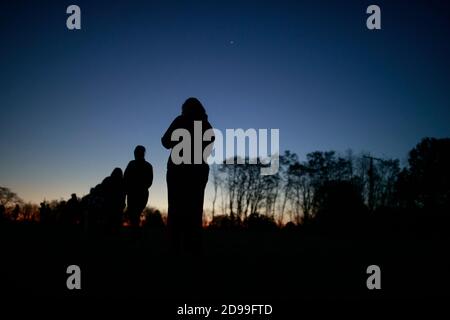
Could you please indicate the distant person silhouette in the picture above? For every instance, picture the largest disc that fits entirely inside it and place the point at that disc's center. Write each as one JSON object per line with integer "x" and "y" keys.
{"x": 138, "y": 179}
{"x": 44, "y": 213}
{"x": 186, "y": 183}
{"x": 2, "y": 213}
{"x": 73, "y": 211}
{"x": 16, "y": 212}
{"x": 114, "y": 193}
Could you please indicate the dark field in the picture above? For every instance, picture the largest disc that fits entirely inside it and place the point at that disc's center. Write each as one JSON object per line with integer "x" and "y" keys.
{"x": 237, "y": 265}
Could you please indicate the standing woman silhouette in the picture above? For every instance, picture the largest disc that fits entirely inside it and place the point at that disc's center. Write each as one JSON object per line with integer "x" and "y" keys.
{"x": 186, "y": 182}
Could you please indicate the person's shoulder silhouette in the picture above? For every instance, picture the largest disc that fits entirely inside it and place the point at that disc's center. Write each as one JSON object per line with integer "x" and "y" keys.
{"x": 139, "y": 172}
{"x": 178, "y": 123}
{"x": 192, "y": 111}
{"x": 138, "y": 179}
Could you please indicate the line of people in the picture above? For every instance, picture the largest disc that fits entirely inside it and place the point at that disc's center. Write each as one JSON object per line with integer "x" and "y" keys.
{"x": 103, "y": 208}
{"x": 104, "y": 205}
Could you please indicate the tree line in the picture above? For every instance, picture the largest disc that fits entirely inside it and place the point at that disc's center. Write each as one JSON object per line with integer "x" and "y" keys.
{"x": 302, "y": 189}
{"x": 327, "y": 186}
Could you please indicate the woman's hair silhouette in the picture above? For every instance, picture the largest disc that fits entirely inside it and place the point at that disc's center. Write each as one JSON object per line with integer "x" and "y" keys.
{"x": 192, "y": 108}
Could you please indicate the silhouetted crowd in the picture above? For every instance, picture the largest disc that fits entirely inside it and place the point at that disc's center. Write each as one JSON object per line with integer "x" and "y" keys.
{"x": 102, "y": 210}
{"x": 324, "y": 188}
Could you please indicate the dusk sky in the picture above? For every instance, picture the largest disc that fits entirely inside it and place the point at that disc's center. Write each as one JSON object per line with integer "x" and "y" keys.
{"x": 74, "y": 104}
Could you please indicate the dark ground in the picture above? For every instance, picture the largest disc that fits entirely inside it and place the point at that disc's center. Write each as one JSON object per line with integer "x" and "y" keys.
{"x": 238, "y": 266}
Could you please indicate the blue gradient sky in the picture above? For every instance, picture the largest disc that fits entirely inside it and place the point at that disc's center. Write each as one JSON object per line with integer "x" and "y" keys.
{"x": 73, "y": 104}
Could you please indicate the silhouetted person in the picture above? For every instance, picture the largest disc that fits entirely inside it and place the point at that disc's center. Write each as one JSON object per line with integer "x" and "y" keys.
{"x": 114, "y": 202}
{"x": 138, "y": 179}
{"x": 15, "y": 212}
{"x": 186, "y": 182}
{"x": 93, "y": 211}
{"x": 44, "y": 213}
{"x": 72, "y": 212}
{"x": 2, "y": 213}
